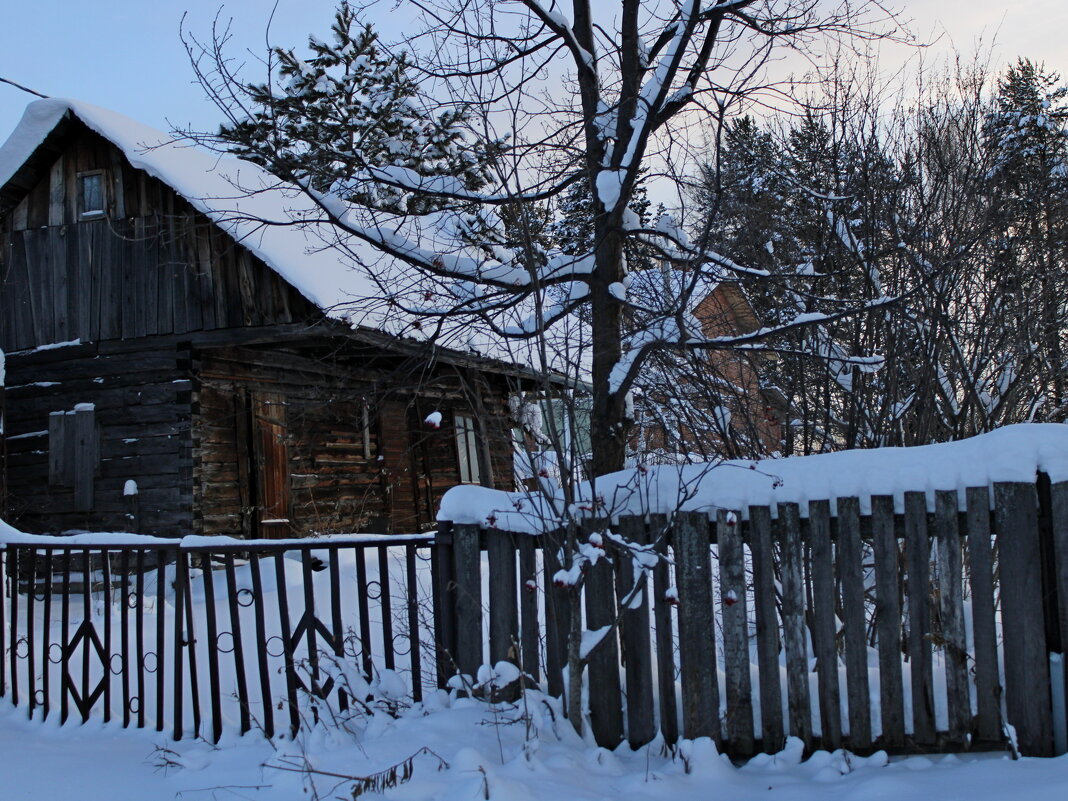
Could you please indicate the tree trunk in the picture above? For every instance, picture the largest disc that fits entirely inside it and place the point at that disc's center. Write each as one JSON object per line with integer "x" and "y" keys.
{"x": 610, "y": 426}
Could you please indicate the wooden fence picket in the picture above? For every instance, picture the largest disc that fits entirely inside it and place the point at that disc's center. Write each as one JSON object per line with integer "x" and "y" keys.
{"x": 557, "y": 614}
{"x": 660, "y": 534}
{"x": 606, "y": 709}
{"x": 918, "y": 568}
{"x": 467, "y": 580}
{"x": 952, "y": 607}
{"x": 697, "y": 648}
{"x": 823, "y": 623}
{"x": 888, "y": 621}
{"x": 1059, "y": 530}
{"x": 767, "y": 628}
{"x": 732, "y": 586}
{"x": 529, "y": 635}
{"x": 637, "y": 653}
{"x": 1027, "y": 688}
{"x": 793, "y": 623}
{"x": 503, "y": 605}
{"x": 851, "y": 578}
{"x": 984, "y": 628}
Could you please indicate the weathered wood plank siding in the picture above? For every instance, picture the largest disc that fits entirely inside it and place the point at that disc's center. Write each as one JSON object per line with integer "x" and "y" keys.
{"x": 152, "y": 265}
{"x": 341, "y": 479}
{"x": 251, "y": 438}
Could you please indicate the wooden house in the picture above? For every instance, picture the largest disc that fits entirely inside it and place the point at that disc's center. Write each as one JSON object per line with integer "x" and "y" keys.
{"x": 173, "y": 367}
{"x": 705, "y": 404}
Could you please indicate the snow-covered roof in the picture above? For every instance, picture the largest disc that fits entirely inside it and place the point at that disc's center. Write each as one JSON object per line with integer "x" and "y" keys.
{"x": 276, "y": 221}
{"x": 1014, "y": 453}
{"x": 234, "y": 194}
{"x": 349, "y": 279}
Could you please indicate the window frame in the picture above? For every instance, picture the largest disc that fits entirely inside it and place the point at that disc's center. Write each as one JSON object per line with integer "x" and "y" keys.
{"x": 468, "y": 464}
{"x": 91, "y": 214}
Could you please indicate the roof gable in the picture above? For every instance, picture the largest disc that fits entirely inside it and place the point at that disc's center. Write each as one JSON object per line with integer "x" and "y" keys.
{"x": 253, "y": 207}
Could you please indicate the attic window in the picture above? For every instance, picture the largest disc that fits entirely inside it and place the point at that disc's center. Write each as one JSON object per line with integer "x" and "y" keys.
{"x": 91, "y": 193}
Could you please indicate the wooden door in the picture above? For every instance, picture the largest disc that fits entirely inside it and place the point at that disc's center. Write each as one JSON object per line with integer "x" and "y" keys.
{"x": 270, "y": 466}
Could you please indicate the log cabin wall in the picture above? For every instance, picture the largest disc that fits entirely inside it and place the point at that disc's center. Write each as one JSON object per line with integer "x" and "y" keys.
{"x": 137, "y": 410}
{"x": 358, "y": 455}
{"x": 153, "y": 301}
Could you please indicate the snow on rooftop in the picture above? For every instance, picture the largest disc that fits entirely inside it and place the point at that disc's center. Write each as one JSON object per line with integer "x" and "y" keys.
{"x": 217, "y": 186}
{"x": 276, "y": 221}
{"x": 1013, "y": 453}
{"x": 346, "y": 277}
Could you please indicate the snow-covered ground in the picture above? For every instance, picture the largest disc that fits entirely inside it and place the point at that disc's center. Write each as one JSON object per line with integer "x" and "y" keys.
{"x": 512, "y": 754}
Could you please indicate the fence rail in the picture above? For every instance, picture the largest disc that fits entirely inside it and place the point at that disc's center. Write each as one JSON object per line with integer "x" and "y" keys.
{"x": 919, "y": 628}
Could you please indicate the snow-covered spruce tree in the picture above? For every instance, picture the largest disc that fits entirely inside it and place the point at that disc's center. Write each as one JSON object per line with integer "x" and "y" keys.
{"x": 345, "y": 109}
{"x": 557, "y": 95}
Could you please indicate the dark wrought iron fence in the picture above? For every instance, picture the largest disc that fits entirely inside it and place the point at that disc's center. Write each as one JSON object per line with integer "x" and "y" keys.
{"x": 192, "y": 638}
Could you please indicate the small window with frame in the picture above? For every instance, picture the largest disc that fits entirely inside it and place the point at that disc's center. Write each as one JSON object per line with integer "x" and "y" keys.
{"x": 91, "y": 194}
{"x": 467, "y": 449}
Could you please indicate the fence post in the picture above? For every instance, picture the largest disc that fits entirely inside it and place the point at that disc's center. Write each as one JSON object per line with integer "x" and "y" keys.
{"x": 606, "y": 709}
{"x": 697, "y": 643}
{"x": 503, "y": 605}
{"x": 1027, "y": 688}
{"x": 442, "y": 580}
{"x": 467, "y": 599}
{"x": 735, "y": 633}
{"x": 641, "y": 725}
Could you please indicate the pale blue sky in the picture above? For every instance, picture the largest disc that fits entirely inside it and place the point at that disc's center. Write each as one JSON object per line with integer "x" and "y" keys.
{"x": 126, "y": 54}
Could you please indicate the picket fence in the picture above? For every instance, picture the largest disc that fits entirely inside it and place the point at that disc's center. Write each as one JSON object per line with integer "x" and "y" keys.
{"x": 820, "y": 589}
{"x": 814, "y": 615}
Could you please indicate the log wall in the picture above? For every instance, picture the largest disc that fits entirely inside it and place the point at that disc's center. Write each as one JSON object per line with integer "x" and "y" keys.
{"x": 155, "y": 307}
{"x": 341, "y": 479}
{"x": 141, "y": 407}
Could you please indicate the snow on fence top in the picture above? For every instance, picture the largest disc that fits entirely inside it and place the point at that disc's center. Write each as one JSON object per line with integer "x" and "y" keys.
{"x": 9, "y": 535}
{"x": 1014, "y": 453}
